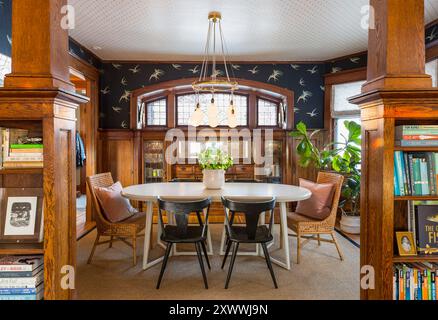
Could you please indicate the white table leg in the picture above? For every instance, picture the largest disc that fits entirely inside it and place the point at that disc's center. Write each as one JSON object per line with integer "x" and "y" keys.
{"x": 283, "y": 226}
{"x": 147, "y": 238}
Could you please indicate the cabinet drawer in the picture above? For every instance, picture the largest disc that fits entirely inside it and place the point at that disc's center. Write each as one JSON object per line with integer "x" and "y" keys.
{"x": 244, "y": 170}
{"x": 198, "y": 170}
{"x": 183, "y": 170}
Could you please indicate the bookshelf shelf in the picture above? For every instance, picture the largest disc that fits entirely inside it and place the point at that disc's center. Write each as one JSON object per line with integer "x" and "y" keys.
{"x": 416, "y": 198}
{"x": 22, "y": 171}
{"x": 416, "y": 149}
{"x": 419, "y": 258}
{"x": 21, "y": 249}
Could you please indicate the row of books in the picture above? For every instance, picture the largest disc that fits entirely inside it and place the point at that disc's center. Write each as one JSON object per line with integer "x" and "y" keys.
{"x": 415, "y": 281}
{"x": 416, "y": 136}
{"x": 415, "y": 173}
{"x": 20, "y": 150}
{"x": 21, "y": 278}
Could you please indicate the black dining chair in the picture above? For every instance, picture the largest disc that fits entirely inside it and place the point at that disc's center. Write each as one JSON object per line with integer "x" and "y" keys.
{"x": 182, "y": 232}
{"x": 251, "y": 232}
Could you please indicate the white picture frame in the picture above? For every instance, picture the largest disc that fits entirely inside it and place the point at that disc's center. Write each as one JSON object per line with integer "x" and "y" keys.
{"x": 21, "y": 214}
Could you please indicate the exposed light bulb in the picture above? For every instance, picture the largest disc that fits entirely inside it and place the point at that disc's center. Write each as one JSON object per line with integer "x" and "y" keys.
{"x": 232, "y": 116}
{"x": 213, "y": 113}
{"x": 197, "y": 116}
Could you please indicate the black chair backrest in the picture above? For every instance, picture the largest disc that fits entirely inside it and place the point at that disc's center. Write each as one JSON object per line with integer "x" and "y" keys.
{"x": 252, "y": 209}
{"x": 182, "y": 210}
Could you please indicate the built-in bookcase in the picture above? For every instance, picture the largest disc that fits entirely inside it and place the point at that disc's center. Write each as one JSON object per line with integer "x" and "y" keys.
{"x": 383, "y": 213}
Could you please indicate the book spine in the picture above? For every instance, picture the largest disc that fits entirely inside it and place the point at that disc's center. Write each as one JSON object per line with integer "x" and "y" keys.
{"x": 411, "y": 173}
{"x": 16, "y": 268}
{"x": 402, "y": 284}
{"x": 26, "y": 146}
{"x": 400, "y": 182}
{"x": 24, "y": 274}
{"x": 396, "y": 178}
{"x": 404, "y": 174}
{"x": 420, "y": 285}
{"x": 17, "y": 291}
{"x": 419, "y": 137}
{"x": 429, "y": 284}
{"x": 425, "y": 188}
{"x": 19, "y": 297}
{"x": 425, "y": 288}
{"x": 408, "y": 284}
{"x": 433, "y": 279}
{"x": 407, "y": 173}
{"x": 417, "y": 143}
{"x": 417, "y": 177}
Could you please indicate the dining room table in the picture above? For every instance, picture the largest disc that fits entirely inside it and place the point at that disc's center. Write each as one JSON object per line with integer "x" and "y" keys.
{"x": 149, "y": 193}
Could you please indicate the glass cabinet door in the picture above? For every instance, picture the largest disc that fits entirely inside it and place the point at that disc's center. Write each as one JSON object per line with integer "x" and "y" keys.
{"x": 274, "y": 172}
{"x": 154, "y": 166}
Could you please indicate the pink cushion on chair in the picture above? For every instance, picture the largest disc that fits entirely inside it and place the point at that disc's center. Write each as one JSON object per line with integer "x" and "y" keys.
{"x": 319, "y": 205}
{"x": 115, "y": 207}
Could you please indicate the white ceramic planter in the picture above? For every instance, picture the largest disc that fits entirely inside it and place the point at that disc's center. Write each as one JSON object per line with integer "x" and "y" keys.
{"x": 350, "y": 224}
{"x": 214, "y": 179}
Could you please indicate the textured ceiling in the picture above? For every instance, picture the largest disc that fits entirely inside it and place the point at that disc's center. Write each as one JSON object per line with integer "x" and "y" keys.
{"x": 282, "y": 30}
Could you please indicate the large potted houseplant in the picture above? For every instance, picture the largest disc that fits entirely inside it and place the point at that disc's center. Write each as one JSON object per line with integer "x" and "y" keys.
{"x": 214, "y": 162}
{"x": 340, "y": 156}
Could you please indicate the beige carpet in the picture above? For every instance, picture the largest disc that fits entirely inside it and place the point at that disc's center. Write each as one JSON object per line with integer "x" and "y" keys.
{"x": 321, "y": 275}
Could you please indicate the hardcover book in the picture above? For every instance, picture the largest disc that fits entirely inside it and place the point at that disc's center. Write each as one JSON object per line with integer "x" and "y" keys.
{"x": 20, "y": 263}
{"x": 426, "y": 217}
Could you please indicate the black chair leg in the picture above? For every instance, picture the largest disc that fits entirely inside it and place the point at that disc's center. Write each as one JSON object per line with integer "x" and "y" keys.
{"x": 163, "y": 266}
{"x": 201, "y": 263}
{"x": 268, "y": 262}
{"x": 204, "y": 248}
{"x": 233, "y": 259}
{"x": 227, "y": 252}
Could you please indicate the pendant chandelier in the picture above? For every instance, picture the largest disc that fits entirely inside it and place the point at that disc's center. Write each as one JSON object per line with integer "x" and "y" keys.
{"x": 209, "y": 82}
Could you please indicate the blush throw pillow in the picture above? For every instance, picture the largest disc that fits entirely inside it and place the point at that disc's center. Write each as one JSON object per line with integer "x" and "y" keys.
{"x": 319, "y": 205}
{"x": 115, "y": 207}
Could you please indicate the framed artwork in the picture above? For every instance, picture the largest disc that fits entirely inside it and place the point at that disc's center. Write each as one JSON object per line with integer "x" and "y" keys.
{"x": 406, "y": 244}
{"x": 21, "y": 215}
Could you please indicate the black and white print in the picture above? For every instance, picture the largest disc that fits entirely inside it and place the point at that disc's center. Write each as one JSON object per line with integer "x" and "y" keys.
{"x": 20, "y": 216}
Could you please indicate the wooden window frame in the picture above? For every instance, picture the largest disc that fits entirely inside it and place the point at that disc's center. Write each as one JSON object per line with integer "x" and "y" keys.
{"x": 269, "y": 99}
{"x": 252, "y": 89}
{"x": 148, "y": 102}
{"x": 187, "y": 93}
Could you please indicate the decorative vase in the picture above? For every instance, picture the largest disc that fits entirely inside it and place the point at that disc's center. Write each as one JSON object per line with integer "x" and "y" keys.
{"x": 214, "y": 179}
{"x": 350, "y": 224}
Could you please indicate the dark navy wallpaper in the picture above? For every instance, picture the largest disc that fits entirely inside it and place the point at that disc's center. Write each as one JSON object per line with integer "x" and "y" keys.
{"x": 5, "y": 27}
{"x": 432, "y": 35}
{"x": 118, "y": 80}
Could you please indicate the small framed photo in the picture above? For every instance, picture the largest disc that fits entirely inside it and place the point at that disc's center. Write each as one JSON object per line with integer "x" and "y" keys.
{"x": 21, "y": 216}
{"x": 406, "y": 244}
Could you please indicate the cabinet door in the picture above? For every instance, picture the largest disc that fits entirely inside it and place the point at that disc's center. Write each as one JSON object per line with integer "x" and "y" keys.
{"x": 117, "y": 157}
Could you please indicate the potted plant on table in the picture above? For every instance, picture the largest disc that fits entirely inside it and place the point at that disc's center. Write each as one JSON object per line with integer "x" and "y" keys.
{"x": 214, "y": 162}
{"x": 340, "y": 156}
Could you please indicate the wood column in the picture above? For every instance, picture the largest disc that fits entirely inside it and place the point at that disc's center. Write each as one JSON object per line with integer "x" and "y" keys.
{"x": 40, "y": 46}
{"x": 39, "y": 89}
{"x": 396, "y": 46}
{"x": 397, "y": 91}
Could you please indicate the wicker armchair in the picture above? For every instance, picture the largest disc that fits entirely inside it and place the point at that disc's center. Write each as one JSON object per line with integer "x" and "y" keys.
{"x": 120, "y": 231}
{"x": 304, "y": 226}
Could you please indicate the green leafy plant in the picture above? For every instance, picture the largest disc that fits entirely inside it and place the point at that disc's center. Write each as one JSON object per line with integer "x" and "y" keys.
{"x": 214, "y": 159}
{"x": 341, "y": 156}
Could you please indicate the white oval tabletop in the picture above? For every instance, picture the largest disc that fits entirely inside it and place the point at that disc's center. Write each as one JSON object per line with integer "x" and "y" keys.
{"x": 191, "y": 190}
